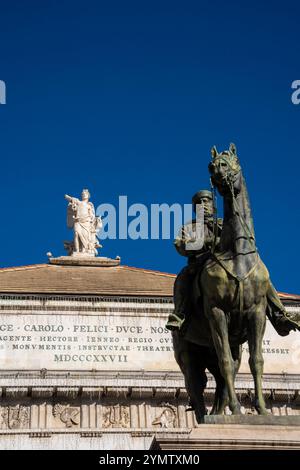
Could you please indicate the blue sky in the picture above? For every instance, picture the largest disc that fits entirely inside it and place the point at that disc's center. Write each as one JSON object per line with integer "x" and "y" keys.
{"x": 127, "y": 98}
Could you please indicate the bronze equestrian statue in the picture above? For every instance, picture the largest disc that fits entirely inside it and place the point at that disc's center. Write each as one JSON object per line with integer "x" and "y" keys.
{"x": 223, "y": 296}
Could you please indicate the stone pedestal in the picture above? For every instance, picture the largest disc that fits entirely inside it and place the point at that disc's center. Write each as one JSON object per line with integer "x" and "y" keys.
{"x": 232, "y": 437}
{"x": 85, "y": 261}
{"x": 254, "y": 420}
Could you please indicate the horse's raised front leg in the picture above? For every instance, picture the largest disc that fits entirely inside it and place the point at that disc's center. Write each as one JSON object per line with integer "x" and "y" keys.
{"x": 257, "y": 325}
{"x": 219, "y": 330}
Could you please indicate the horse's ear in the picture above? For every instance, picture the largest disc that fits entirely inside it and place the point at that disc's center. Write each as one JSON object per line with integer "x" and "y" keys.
{"x": 232, "y": 149}
{"x": 214, "y": 152}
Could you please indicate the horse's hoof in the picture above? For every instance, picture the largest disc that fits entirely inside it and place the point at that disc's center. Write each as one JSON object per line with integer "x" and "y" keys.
{"x": 236, "y": 409}
{"x": 217, "y": 411}
{"x": 262, "y": 411}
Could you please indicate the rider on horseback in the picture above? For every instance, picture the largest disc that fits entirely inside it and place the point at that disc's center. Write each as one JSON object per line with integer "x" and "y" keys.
{"x": 183, "y": 286}
{"x": 196, "y": 259}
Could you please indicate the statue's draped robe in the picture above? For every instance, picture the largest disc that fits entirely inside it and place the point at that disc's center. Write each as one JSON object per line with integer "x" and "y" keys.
{"x": 84, "y": 215}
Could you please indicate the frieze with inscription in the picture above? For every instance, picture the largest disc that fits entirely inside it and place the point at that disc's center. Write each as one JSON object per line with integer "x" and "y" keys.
{"x": 112, "y": 342}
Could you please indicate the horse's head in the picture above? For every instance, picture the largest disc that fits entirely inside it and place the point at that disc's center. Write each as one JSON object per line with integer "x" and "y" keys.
{"x": 225, "y": 170}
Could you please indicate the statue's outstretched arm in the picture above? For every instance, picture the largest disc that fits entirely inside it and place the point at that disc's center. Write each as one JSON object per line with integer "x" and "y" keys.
{"x": 72, "y": 200}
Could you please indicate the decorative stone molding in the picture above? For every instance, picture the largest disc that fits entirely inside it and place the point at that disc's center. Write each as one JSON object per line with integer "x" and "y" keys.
{"x": 115, "y": 416}
{"x": 69, "y": 415}
{"x": 15, "y": 417}
{"x": 40, "y": 434}
{"x": 141, "y": 433}
{"x": 142, "y": 392}
{"x": 91, "y": 434}
{"x": 13, "y": 392}
{"x": 92, "y": 393}
{"x": 165, "y": 393}
{"x": 67, "y": 392}
{"x": 167, "y": 417}
{"x": 116, "y": 392}
{"x": 42, "y": 392}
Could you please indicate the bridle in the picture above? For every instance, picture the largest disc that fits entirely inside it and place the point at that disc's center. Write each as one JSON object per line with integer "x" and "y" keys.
{"x": 229, "y": 177}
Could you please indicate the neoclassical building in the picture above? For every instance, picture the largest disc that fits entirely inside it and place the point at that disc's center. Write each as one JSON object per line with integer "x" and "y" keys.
{"x": 86, "y": 363}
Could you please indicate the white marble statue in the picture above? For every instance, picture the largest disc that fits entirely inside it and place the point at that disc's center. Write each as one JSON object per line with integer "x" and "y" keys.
{"x": 82, "y": 219}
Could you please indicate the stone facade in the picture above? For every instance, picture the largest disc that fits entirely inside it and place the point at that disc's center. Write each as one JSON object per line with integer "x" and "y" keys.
{"x": 96, "y": 371}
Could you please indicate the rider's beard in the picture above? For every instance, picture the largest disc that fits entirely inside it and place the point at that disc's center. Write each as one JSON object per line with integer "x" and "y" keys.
{"x": 208, "y": 216}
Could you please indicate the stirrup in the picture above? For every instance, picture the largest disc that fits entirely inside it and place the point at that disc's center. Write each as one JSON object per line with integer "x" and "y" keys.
{"x": 174, "y": 322}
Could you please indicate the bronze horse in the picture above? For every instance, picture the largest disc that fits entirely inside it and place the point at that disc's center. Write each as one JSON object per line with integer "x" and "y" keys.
{"x": 234, "y": 282}
{"x": 232, "y": 295}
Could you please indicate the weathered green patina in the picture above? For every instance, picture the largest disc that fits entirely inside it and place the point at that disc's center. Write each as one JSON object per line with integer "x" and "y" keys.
{"x": 223, "y": 296}
{"x": 235, "y": 283}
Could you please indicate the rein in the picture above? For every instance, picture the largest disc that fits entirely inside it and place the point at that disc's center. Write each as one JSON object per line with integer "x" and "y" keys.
{"x": 229, "y": 178}
{"x": 243, "y": 222}
{"x": 215, "y": 216}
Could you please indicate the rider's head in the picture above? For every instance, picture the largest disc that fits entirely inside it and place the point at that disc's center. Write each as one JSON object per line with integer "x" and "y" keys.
{"x": 85, "y": 195}
{"x": 204, "y": 198}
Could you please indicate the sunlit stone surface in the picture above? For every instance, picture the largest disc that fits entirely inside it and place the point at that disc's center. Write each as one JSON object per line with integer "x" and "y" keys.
{"x": 86, "y": 362}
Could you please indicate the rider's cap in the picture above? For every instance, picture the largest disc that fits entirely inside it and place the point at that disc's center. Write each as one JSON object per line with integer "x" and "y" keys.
{"x": 200, "y": 194}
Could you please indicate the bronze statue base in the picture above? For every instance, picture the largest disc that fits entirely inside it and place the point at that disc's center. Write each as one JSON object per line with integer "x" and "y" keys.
{"x": 253, "y": 420}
